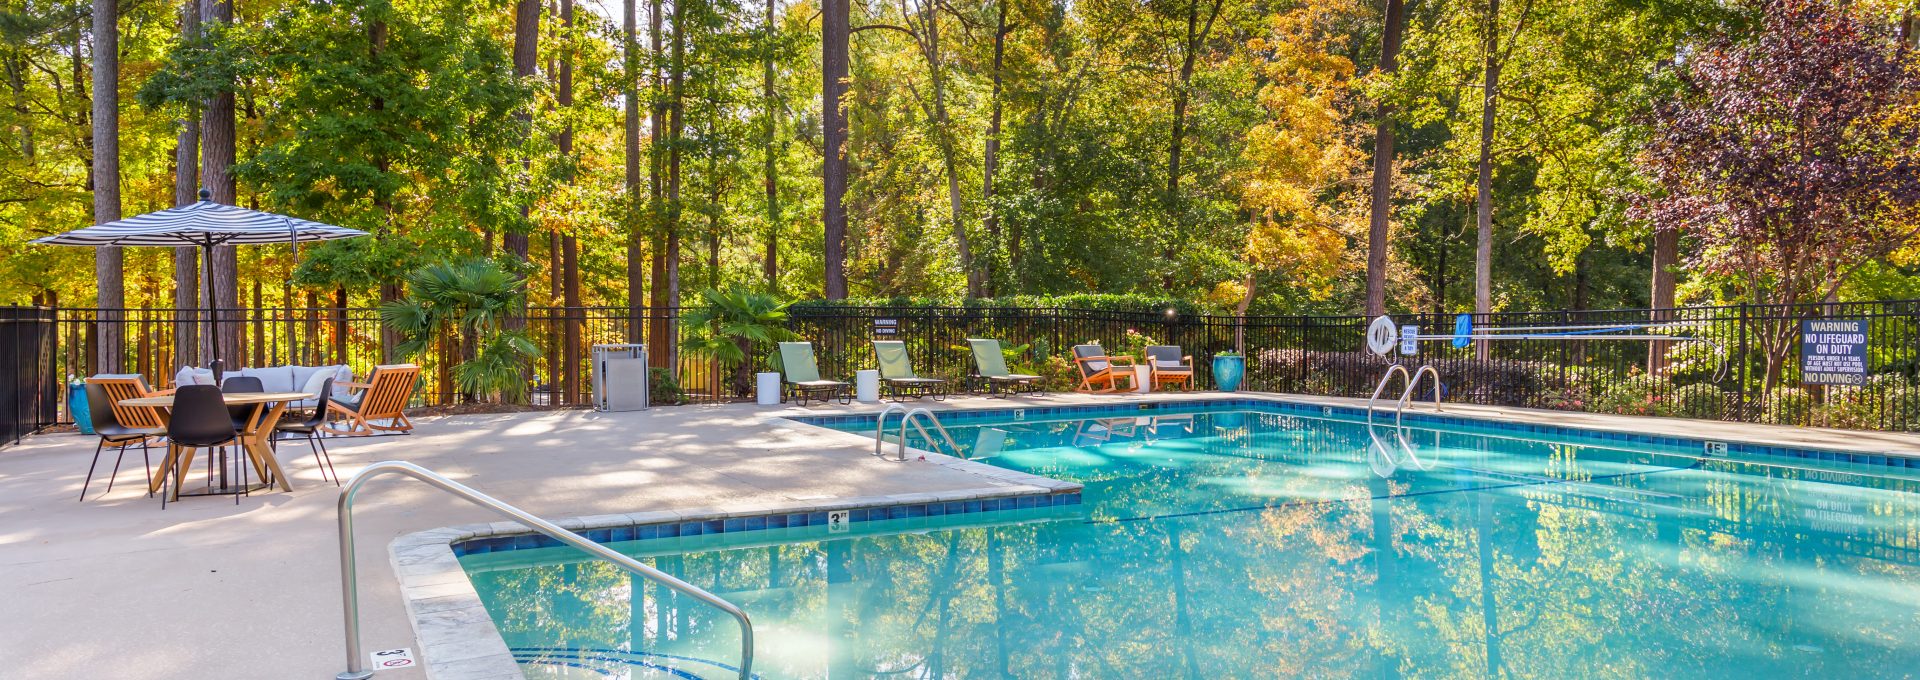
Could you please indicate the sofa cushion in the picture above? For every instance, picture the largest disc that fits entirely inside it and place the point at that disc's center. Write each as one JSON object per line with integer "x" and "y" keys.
{"x": 189, "y": 375}
{"x": 274, "y": 378}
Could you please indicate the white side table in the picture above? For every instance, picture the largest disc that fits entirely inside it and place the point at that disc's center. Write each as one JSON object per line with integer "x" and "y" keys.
{"x": 767, "y": 392}
{"x": 866, "y": 386}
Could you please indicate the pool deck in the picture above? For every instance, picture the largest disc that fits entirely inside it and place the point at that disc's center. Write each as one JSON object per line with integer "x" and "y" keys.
{"x": 117, "y": 588}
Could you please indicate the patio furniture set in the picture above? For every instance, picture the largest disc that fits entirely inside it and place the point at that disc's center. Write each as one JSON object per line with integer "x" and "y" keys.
{"x": 1099, "y": 372}
{"x": 247, "y": 411}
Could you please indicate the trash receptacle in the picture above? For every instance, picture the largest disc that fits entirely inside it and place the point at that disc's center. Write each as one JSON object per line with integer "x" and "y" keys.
{"x": 619, "y": 377}
{"x": 77, "y": 405}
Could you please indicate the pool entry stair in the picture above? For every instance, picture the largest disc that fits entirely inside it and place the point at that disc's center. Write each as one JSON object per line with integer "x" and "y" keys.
{"x": 1406, "y": 395}
{"x": 914, "y": 416}
{"x": 349, "y": 573}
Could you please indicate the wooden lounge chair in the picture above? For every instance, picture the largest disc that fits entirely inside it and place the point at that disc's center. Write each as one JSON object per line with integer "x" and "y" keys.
{"x": 1099, "y": 372}
{"x": 120, "y": 387}
{"x": 1167, "y": 366}
{"x": 990, "y": 371}
{"x": 383, "y": 397}
{"x": 803, "y": 379}
{"x": 897, "y": 377}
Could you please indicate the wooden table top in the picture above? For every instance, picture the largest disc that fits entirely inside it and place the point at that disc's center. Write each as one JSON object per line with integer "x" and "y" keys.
{"x": 231, "y": 398}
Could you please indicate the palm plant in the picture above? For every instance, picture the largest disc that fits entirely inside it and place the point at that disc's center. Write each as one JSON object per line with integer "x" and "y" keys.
{"x": 463, "y": 306}
{"x": 731, "y": 321}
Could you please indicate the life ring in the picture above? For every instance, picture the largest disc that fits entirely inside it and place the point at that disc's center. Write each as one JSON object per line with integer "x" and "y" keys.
{"x": 1382, "y": 334}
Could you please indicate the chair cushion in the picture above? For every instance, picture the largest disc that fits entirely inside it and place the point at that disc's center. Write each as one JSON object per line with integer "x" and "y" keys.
{"x": 1170, "y": 366}
{"x": 272, "y": 378}
{"x": 348, "y": 399}
{"x": 316, "y": 379}
{"x": 189, "y": 375}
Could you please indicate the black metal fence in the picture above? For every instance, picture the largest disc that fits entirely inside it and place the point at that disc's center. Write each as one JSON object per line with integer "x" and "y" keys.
{"x": 29, "y": 392}
{"x": 1737, "y": 362}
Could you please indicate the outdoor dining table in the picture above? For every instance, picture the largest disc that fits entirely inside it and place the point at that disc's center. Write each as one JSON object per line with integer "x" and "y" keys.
{"x": 267, "y": 409}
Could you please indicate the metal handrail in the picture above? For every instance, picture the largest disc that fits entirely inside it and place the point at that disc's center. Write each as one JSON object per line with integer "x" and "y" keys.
{"x": 1382, "y": 387}
{"x": 880, "y": 425}
{"x": 922, "y": 411}
{"x": 349, "y": 573}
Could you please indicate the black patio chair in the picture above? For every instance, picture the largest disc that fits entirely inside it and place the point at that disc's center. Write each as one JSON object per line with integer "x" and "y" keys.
{"x": 242, "y": 415}
{"x": 200, "y": 420}
{"x": 105, "y": 424}
{"x": 309, "y": 427}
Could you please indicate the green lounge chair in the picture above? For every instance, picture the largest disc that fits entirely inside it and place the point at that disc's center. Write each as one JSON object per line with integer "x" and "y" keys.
{"x": 991, "y": 371}
{"x": 803, "y": 376}
{"x": 896, "y": 374}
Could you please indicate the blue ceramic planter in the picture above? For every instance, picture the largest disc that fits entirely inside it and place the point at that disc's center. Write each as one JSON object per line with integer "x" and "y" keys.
{"x": 1227, "y": 372}
{"x": 77, "y": 405}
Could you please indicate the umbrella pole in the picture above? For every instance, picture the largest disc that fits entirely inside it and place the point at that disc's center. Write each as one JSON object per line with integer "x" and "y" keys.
{"x": 213, "y": 310}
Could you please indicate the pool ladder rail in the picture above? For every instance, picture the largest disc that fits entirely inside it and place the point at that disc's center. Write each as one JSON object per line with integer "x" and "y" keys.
{"x": 914, "y": 416}
{"x": 349, "y": 574}
{"x": 1406, "y": 396}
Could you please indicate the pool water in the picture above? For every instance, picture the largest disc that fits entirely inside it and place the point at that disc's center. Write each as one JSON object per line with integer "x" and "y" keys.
{"x": 1242, "y": 544}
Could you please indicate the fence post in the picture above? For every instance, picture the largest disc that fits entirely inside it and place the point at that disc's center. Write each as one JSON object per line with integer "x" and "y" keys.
{"x": 1740, "y": 399}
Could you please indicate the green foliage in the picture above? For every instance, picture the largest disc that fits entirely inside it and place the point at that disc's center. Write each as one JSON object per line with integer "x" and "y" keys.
{"x": 466, "y": 304}
{"x": 1099, "y": 302}
{"x": 730, "y": 322}
{"x": 663, "y": 389}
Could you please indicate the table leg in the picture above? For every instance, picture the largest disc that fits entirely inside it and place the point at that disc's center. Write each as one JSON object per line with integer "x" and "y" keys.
{"x": 261, "y": 450}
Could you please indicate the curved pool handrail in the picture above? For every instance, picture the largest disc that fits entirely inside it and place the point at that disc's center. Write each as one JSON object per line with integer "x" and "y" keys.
{"x": 349, "y": 571}
{"x": 1406, "y": 397}
{"x": 1382, "y": 386}
{"x": 911, "y": 417}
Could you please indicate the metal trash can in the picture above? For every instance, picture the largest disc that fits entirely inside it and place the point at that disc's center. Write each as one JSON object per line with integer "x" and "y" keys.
{"x": 619, "y": 377}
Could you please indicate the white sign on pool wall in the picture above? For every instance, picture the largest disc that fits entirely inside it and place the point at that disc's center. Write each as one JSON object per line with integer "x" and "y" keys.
{"x": 1409, "y": 340}
{"x": 1833, "y": 351}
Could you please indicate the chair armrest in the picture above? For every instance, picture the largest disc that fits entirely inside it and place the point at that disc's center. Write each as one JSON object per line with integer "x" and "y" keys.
{"x": 364, "y": 386}
{"x": 162, "y": 393}
{"x": 1122, "y": 360}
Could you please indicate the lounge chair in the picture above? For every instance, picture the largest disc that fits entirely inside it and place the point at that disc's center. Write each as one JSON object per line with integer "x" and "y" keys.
{"x": 990, "y": 371}
{"x": 1097, "y": 431}
{"x": 383, "y": 397}
{"x": 1099, "y": 372}
{"x": 897, "y": 377}
{"x": 1167, "y": 366}
{"x": 802, "y": 376}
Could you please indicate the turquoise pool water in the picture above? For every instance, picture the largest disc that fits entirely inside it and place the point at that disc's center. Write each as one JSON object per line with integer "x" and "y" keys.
{"x": 1244, "y": 544}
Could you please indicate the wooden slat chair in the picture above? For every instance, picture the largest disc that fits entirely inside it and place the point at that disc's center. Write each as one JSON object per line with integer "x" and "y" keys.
{"x": 1168, "y": 366}
{"x": 1099, "y": 372}
{"x": 383, "y": 397}
{"x": 120, "y": 387}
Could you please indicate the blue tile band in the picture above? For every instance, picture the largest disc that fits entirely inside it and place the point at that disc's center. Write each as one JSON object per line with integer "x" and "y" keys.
{"x": 493, "y": 544}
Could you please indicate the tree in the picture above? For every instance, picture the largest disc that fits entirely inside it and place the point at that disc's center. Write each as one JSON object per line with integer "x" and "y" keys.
{"x": 835, "y": 29}
{"x": 1791, "y": 155}
{"x": 216, "y": 172}
{"x": 467, "y": 306}
{"x": 1380, "y": 212}
{"x": 108, "y": 262}
{"x": 730, "y": 322}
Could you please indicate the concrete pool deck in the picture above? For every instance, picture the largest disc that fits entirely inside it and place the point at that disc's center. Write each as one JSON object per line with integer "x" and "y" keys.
{"x": 117, "y": 588}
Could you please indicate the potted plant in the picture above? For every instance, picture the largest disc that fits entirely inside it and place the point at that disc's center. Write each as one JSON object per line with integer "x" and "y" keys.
{"x": 1228, "y": 369}
{"x": 1137, "y": 344}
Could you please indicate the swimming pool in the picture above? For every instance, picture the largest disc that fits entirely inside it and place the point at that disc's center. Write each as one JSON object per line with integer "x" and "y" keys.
{"x": 1236, "y": 539}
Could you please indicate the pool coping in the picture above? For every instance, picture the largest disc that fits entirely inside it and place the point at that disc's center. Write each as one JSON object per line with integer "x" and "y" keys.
{"x": 459, "y": 640}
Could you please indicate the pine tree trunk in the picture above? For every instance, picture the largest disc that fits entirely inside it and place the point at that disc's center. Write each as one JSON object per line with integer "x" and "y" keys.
{"x": 835, "y": 28}
{"x": 1666, "y": 253}
{"x": 990, "y": 156}
{"x": 1381, "y": 203}
{"x": 188, "y": 341}
{"x": 1483, "y": 245}
{"x": 770, "y": 265}
{"x": 676, "y": 126}
{"x": 636, "y": 273}
{"x": 526, "y": 50}
{"x": 657, "y": 336}
{"x": 108, "y": 262}
{"x": 569, "y": 246}
{"x": 216, "y": 175}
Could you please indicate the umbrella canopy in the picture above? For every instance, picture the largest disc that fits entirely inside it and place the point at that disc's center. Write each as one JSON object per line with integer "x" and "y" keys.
{"x": 205, "y": 224}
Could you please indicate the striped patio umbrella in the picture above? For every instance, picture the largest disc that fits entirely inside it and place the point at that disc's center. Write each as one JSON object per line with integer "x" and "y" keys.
{"x": 204, "y": 224}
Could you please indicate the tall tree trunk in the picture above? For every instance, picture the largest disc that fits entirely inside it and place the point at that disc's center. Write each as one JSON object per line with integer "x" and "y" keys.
{"x": 1483, "y": 245}
{"x": 216, "y": 175}
{"x": 676, "y": 125}
{"x": 109, "y": 265}
{"x": 569, "y": 245}
{"x": 636, "y": 272}
{"x": 188, "y": 340}
{"x": 990, "y": 156}
{"x": 1196, "y": 36}
{"x": 657, "y": 336}
{"x": 1381, "y": 206}
{"x": 526, "y": 51}
{"x": 943, "y": 132}
{"x": 1666, "y": 253}
{"x": 834, "y": 32}
{"x": 770, "y": 266}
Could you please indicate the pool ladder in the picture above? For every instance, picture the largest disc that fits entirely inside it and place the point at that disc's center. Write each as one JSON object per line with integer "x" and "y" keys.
{"x": 349, "y": 574}
{"x": 913, "y": 416}
{"x": 1406, "y": 396}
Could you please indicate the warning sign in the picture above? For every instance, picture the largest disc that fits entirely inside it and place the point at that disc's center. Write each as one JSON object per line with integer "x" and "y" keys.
{"x": 1833, "y": 351}
{"x": 389, "y": 659}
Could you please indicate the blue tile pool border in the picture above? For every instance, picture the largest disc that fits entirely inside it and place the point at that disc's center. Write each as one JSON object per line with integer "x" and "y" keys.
{"x": 1572, "y": 435}
{"x": 769, "y": 521}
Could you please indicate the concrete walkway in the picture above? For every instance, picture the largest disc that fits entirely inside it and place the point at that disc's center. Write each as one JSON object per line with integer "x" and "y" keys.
{"x": 117, "y": 588}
